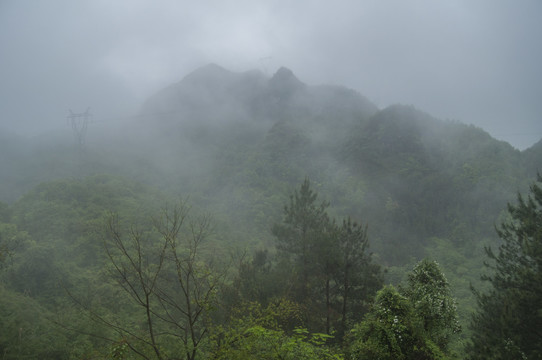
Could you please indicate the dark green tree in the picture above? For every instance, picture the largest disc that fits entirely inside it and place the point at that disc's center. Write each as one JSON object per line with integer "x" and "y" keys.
{"x": 259, "y": 279}
{"x": 301, "y": 236}
{"x": 9, "y": 237}
{"x": 333, "y": 276}
{"x": 357, "y": 277}
{"x": 508, "y": 324}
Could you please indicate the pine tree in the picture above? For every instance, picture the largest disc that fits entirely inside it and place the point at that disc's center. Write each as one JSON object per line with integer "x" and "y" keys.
{"x": 300, "y": 234}
{"x": 357, "y": 277}
{"x": 332, "y": 274}
{"x": 508, "y": 324}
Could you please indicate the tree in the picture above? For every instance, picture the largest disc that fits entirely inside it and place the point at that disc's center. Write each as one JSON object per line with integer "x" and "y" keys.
{"x": 432, "y": 301}
{"x": 258, "y": 333}
{"x": 352, "y": 241}
{"x": 333, "y": 276}
{"x": 391, "y": 331}
{"x": 9, "y": 238}
{"x": 256, "y": 280}
{"x": 357, "y": 277}
{"x": 508, "y": 324}
{"x": 162, "y": 274}
{"x": 415, "y": 324}
{"x": 298, "y": 236}
{"x": 26, "y": 330}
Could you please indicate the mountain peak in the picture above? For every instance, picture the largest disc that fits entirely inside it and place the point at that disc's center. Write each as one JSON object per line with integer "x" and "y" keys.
{"x": 208, "y": 73}
{"x": 284, "y": 81}
{"x": 284, "y": 74}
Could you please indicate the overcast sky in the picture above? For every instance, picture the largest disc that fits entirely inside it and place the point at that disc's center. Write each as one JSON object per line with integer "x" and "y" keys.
{"x": 476, "y": 61}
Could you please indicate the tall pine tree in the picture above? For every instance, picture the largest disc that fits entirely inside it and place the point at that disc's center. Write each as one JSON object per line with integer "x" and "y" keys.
{"x": 508, "y": 324}
{"x": 300, "y": 234}
{"x": 331, "y": 270}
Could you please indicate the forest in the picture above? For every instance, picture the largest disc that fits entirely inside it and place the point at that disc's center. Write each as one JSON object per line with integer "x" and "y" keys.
{"x": 240, "y": 216}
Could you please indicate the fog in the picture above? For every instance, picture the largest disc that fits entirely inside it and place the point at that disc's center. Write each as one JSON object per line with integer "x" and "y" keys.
{"x": 476, "y": 62}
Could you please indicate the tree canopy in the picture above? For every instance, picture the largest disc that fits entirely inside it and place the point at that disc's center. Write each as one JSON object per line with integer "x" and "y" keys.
{"x": 332, "y": 271}
{"x": 508, "y": 324}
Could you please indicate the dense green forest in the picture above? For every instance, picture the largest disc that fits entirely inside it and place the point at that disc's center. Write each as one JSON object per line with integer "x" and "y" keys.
{"x": 244, "y": 217}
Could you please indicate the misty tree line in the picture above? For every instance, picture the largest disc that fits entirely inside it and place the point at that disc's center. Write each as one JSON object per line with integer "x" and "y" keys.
{"x": 94, "y": 268}
{"x": 320, "y": 282}
{"x": 161, "y": 293}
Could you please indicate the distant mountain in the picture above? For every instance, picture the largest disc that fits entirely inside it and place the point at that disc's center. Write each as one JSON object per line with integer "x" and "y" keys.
{"x": 209, "y": 93}
{"x": 430, "y": 175}
{"x": 420, "y": 176}
{"x": 533, "y": 158}
{"x": 238, "y": 143}
{"x": 214, "y": 93}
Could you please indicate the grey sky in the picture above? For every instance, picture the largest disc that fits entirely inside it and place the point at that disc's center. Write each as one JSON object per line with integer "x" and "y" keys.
{"x": 476, "y": 61}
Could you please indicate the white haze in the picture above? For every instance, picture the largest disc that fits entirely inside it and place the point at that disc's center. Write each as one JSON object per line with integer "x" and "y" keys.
{"x": 473, "y": 61}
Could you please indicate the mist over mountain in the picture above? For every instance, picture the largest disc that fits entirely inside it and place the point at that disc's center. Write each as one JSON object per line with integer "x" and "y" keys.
{"x": 270, "y": 179}
{"x": 212, "y": 93}
{"x": 238, "y": 142}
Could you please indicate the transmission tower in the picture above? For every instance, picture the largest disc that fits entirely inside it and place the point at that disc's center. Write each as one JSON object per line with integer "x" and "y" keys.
{"x": 79, "y": 123}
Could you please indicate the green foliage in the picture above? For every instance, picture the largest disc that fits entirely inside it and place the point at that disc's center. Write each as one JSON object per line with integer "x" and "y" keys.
{"x": 427, "y": 178}
{"x": 56, "y": 247}
{"x": 357, "y": 277}
{"x": 160, "y": 273}
{"x": 258, "y": 279}
{"x": 508, "y": 322}
{"x": 332, "y": 275}
{"x": 258, "y": 334}
{"x": 391, "y": 330}
{"x": 462, "y": 267}
{"x": 417, "y": 324}
{"x": 26, "y": 331}
{"x": 119, "y": 350}
{"x": 432, "y": 301}
{"x": 304, "y": 221}
{"x": 11, "y": 239}
{"x": 426, "y": 188}
{"x": 303, "y": 241}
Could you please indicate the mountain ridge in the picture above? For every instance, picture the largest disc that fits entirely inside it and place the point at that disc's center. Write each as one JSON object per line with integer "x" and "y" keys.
{"x": 424, "y": 174}
{"x": 258, "y": 95}
{"x": 253, "y": 87}
{"x": 217, "y": 133}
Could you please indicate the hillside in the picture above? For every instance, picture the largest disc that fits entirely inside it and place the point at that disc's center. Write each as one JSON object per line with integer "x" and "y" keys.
{"x": 532, "y": 159}
{"x": 409, "y": 175}
{"x": 212, "y": 93}
{"x": 237, "y": 145}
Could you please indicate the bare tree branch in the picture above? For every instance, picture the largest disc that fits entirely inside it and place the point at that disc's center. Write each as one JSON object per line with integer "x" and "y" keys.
{"x": 166, "y": 278}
